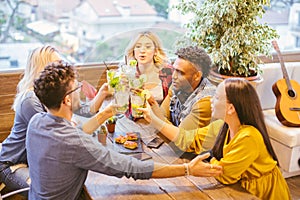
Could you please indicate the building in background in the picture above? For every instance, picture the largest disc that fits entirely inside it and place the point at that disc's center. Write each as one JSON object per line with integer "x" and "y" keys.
{"x": 294, "y": 25}
{"x": 91, "y": 21}
{"x": 76, "y": 27}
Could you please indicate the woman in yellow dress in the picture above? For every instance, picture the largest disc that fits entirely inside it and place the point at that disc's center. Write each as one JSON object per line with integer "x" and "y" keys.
{"x": 242, "y": 147}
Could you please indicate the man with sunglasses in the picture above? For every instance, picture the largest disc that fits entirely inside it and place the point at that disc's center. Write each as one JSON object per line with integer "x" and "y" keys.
{"x": 60, "y": 155}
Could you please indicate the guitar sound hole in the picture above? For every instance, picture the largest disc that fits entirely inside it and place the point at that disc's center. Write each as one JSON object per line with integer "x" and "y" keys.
{"x": 291, "y": 93}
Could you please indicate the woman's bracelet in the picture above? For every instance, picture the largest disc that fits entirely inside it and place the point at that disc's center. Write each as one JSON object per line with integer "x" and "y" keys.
{"x": 186, "y": 169}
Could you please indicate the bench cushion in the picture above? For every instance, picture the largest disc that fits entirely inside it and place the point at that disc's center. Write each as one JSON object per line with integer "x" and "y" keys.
{"x": 290, "y": 136}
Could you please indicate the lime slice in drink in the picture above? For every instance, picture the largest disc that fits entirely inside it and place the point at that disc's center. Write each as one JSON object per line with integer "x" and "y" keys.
{"x": 146, "y": 93}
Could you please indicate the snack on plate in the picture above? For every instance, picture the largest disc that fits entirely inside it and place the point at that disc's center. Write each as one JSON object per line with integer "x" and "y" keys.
{"x": 131, "y": 136}
{"x": 120, "y": 139}
{"x": 130, "y": 145}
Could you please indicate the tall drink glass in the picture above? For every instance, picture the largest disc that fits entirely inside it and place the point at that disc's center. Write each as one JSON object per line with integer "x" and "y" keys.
{"x": 121, "y": 96}
{"x": 137, "y": 101}
{"x": 111, "y": 77}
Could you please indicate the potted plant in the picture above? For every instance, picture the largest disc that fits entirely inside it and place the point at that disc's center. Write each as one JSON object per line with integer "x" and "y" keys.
{"x": 102, "y": 134}
{"x": 111, "y": 123}
{"x": 229, "y": 31}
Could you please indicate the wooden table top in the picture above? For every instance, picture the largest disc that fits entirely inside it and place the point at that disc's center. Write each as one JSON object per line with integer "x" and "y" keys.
{"x": 99, "y": 186}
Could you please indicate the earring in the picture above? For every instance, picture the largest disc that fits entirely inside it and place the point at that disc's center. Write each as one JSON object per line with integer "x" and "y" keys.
{"x": 155, "y": 58}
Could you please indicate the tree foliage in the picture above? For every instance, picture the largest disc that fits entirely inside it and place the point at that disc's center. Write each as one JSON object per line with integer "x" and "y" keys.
{"x": 13, "y": 6}
{"x": 230, "y": 32}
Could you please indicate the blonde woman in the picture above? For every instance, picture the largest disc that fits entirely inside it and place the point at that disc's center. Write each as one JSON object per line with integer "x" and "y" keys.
{"x": 13, "y": 162}
{"x": 151, "y": 59}
{"x": 13, "y": 158}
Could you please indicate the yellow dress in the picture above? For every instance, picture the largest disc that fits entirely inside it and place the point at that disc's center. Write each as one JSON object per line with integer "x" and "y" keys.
{"x": 246, "y": 159}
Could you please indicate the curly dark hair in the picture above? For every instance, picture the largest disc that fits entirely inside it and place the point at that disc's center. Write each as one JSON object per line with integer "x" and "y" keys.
{"x": 197, "y": 56}
{"x": 53, "y": 83}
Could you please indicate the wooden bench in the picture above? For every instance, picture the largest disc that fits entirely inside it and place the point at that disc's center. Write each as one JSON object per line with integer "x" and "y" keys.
{"x": 8, "y": 84}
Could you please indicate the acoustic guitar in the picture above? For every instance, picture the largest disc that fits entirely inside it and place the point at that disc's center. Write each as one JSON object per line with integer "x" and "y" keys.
{"x": 287, "y": 92}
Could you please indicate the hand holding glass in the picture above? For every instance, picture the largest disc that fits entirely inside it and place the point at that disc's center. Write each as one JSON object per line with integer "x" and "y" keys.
{"x": 121, "y": 97}
{"x": 137, "y": 101}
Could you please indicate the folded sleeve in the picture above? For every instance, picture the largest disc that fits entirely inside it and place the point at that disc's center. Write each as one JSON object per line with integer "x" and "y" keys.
{"x": 200, "y": 139}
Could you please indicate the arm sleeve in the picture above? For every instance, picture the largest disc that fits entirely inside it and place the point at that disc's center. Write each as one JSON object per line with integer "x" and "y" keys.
{"x": 198, "y": 140}
{"x": 30, "y": 106}
{"x": 238, "y": 158}
{"x": 200, "y": 115}
{"x": 93, "y": 156}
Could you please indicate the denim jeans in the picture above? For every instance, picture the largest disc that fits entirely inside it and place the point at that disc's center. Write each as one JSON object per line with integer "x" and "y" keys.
{"x": 14, "y": 180}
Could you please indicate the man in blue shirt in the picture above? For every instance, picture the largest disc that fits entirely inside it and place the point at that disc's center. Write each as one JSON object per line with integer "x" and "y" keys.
{"x": 60, "y": 155}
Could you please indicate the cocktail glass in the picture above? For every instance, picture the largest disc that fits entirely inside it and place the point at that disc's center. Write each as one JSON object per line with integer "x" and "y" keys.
{"x": 137, "y": 101}
{"x": 121, "y": 96}
{"x": 112, "y": 78}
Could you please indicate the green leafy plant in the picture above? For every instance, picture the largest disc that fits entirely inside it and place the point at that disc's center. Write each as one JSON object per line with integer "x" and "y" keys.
{"x": 111, "y": 123}
{"x": 132, "y": 63}
{"x": 113, "y": 79}
{"x": 111, "y": 120}
{"x": 230, "y": 33}
{"x": 102, "y": 130}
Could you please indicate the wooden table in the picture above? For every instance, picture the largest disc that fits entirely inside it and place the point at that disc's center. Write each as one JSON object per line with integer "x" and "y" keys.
{"x": 99, "y": 186}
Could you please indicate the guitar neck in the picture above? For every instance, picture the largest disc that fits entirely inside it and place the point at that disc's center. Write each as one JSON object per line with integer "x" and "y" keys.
{"x": 283, "y": 68}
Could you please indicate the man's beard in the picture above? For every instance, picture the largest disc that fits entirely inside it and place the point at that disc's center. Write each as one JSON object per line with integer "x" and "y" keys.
{"x": 185, "y": 90}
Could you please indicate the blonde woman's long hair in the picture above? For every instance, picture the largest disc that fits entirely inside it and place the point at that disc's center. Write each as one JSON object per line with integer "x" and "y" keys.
{"x": 159, "y": 59}
{"x": 36, "y": 62}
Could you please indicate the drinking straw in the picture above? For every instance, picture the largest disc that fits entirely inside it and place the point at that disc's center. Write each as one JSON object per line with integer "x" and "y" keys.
{"x": 105, "y": 65}
{"x": 145, "y": 99}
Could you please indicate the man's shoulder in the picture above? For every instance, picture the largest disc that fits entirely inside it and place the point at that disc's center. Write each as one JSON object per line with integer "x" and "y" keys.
{"x": 207, "y": 84}
{"x": 38, "y": 116}
{"x": 37, "y": 121}
{"x": 206, "y": 88}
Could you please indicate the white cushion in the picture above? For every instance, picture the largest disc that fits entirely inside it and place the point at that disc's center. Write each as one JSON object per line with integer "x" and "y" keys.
{"x": 295, "y": 75}
{"x": 289, "y": 136}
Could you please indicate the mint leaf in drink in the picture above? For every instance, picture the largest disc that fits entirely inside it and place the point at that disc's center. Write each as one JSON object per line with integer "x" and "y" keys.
{"x": 132, "y": 62}
{"x": 114, "y": 81}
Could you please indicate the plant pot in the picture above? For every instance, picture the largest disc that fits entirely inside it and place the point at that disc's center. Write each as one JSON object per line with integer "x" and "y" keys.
{"x": 215, "y": 78}
{"x": 110, "y": 127}
{"x": 102, "y": 138}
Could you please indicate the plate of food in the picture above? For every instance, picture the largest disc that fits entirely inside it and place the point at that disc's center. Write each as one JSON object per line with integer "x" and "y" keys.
{"x": 129, "y": 142}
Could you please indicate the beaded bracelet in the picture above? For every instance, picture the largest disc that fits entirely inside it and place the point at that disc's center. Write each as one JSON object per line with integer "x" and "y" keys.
{"x": 186, "y": 169}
